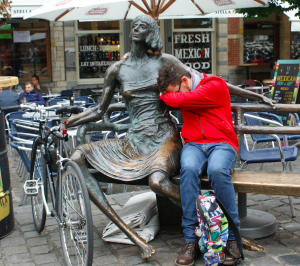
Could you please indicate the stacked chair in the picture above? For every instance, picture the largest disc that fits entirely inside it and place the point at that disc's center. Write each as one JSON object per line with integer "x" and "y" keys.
{"x": 286, "y": 155}
{"x": 22, "y": 132}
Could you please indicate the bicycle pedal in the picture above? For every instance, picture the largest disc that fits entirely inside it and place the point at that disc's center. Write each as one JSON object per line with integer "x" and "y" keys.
{"x": 81, "y": 237}
{"x": 31, "y": 188}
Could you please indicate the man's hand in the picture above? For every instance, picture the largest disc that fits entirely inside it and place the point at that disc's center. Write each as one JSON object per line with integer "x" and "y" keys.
{"x": 269, "y": 101}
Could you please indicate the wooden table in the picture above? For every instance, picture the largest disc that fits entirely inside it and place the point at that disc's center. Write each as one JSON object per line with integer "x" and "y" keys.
{"x": 247, "y": 68}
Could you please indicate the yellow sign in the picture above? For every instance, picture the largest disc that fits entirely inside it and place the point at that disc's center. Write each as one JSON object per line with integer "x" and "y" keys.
{"x": 4, "y": 206}
{"x": 52, "y": 44}
{"x": 241, "y": 30}
{"x": 4, "y": 201}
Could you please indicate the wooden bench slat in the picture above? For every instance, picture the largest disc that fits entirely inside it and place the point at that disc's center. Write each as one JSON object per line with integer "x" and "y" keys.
{"x": 271, "y": 183}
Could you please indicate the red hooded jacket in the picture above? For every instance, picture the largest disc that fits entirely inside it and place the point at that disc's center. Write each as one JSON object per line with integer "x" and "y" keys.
{"x": 206, "y": 112}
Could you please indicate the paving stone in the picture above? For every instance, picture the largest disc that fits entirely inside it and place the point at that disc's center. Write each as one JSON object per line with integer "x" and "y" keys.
{"x": 23, "y": 264}
{"x": 32, "y": 234}
{"x": 45, "y": 258}
{"x": 133, "y": 260}
{"x": 41, "y": 249}
{"x": 13, "y": 241}
{"x": 19, "y": 258}
{"x": 24, "y": 218}
{"x": 126, "y": 252}
{"x": 293, "y": 259}
{"x": 277, "y": 250}
{"x": 266, "y": 260}
{"x": 52, "y": 227}
{"x": 26, "y": 228}
{"x": 97, "y": 252}
{"x": 55, "y": 236}
{"x": 99, "y": 243}
{"x": 15, "y": 250}
{"x": 296, "y": 201}
{"x": 14, "y": 234}
{"x": 260, "y": 197}
{"x": 57, "y": 243}
{"x": 272, "y": 203}
{"x": 105, "y": 260}
{"x": 251, "y": 202}
{"x": 37, "y": 241}
{"x": 176, "y": 243}
{"x": 293, "y": 226}
{"x": 283, "y": 219}
{"x": 290, "y": 242}
{"x": 297, "y": 233}
{"x": 53, "y": 264}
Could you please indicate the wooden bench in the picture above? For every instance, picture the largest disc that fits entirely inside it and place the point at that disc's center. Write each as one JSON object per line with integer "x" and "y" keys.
{"x": 254, "y": 224}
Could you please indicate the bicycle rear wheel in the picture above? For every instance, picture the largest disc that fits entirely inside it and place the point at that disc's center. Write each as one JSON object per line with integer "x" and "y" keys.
{"x": 38, "y": 172}
{"x": 76, "y": 234}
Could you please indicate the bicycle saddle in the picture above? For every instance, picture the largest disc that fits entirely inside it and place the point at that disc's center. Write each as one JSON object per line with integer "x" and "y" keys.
{"x": 69, "y": 109}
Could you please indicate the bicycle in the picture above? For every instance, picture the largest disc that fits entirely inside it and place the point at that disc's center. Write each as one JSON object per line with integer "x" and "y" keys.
{"x": 70, "y": 199}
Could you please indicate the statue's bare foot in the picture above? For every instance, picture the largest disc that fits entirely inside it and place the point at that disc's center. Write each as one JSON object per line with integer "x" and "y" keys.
{"x": 250, "y": 245}
{"x": 146, "y": 250}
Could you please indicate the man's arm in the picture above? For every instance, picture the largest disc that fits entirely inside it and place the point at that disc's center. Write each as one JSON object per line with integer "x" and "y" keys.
{"x": 40, "y": 98}
{"x": 210, "y": 94}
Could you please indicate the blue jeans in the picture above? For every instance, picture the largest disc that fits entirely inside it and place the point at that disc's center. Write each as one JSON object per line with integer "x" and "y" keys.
{"x": 218, "y": 160}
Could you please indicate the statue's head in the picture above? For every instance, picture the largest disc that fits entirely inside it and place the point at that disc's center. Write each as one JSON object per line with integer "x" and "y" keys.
{"x": 153, "y": 39}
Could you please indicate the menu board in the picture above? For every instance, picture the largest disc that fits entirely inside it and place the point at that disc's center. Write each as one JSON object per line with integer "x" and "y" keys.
{"x": 286, "y": 85}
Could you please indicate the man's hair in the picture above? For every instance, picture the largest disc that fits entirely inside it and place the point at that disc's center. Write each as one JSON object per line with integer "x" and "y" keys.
{"x": 36, "y": 77}
{"x": 5, "y": 88}
{"x": 29, "y": 83}
{"x": 153, "y": 40}
{"x": 170, "y": 73}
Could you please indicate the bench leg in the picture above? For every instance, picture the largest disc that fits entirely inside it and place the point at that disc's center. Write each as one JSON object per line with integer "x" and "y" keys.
{"x": 292, "y": 206}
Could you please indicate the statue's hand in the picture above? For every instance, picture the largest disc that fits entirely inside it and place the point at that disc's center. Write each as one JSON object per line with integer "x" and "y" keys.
{"x": 87, "y": 116}
{"x": 125, "y": 56}
{"x": 269, "y": 101}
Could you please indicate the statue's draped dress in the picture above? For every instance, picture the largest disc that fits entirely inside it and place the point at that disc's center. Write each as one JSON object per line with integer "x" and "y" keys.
{"x": 152, "y": 142}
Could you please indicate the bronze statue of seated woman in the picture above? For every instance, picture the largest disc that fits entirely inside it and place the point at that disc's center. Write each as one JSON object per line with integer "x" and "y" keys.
{"x": 152, "y": 146}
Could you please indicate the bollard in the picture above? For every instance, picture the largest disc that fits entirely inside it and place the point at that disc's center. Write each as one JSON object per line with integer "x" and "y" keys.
{"x": 7, "y": 221}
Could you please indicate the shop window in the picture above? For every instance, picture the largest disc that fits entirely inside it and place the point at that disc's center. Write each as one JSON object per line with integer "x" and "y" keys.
{"x": 24, "y": 51}
{"x": 96, "y": 53}
{"x": 295, "y": 45}
{"x": 99, "y": 25}
{"x": 258, "y": 43}
{"x": 98, "y": 45}
{"x": 204, "y": 23}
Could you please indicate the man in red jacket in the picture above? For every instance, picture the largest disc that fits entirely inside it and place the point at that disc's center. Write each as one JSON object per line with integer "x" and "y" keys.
{"x": 211, "y": 146}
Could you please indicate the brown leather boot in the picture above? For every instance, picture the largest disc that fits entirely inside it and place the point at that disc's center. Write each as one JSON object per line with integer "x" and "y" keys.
{"x": 187, "y": 254}
{"x": 234, "y": 251}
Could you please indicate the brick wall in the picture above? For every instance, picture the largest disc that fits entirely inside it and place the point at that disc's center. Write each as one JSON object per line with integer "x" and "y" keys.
{"x": 233, "y": 52}
{"x": 233, "y": 41}
{"x": 233, "y": 26}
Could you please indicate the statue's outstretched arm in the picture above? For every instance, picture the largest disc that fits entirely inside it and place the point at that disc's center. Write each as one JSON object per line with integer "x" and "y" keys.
{"x": 95, "y": 113}
{"x": 249, "y": 94}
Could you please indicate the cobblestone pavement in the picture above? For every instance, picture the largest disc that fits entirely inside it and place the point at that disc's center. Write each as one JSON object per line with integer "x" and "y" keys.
{"x": 27, "y": 248}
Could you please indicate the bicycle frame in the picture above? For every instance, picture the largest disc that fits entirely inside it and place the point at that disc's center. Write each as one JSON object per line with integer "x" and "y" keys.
{"x": 55, "y": 190}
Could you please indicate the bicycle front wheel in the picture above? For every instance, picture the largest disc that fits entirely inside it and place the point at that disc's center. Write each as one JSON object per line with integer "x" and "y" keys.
{"x": 38, "y": 172}
{"x": 76, "y": 233}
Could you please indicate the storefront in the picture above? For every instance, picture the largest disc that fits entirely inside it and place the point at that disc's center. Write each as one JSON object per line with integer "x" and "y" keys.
{"x": 24, "y": 45}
